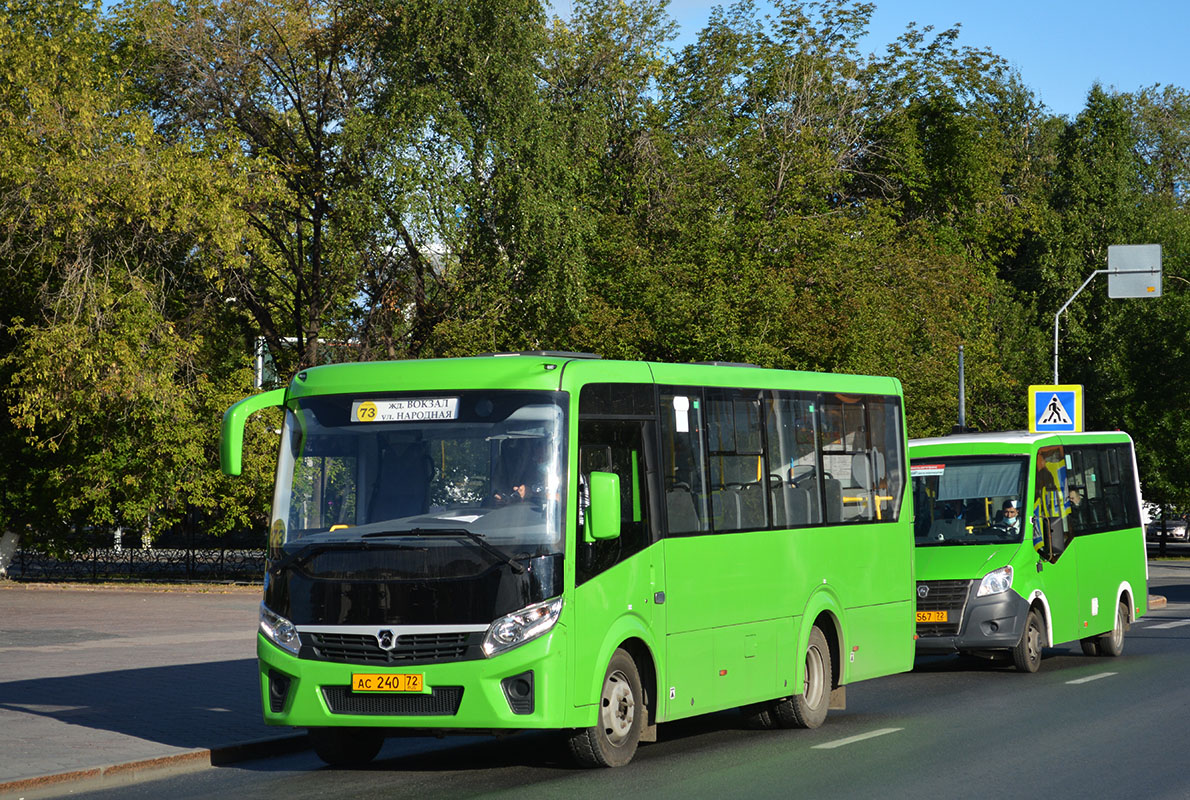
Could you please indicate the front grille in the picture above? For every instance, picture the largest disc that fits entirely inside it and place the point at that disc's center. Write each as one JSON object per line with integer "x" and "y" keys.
{"x": 418, "y": 648}
{"x": 442, "y": 701}
{"x": 948, "y": 596}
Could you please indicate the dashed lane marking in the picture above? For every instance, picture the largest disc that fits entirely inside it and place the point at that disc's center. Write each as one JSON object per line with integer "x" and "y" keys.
{"x": 853, "y": 739}
{"x": 1177, "y": 623}
{"x": 1090, "y": 678}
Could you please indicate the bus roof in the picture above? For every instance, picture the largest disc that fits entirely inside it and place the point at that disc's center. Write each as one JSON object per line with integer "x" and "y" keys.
{"x": 1009, "y": 441}
{"x": 544, "y": 369}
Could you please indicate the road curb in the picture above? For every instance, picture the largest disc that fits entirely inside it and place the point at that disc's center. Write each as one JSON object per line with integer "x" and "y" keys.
{"x": 1156, "y": 601}
{"x": 214, "y": 757}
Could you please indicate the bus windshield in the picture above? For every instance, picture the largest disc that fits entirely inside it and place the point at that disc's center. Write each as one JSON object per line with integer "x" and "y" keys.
{"x": 969, "y": 500}
{"x": 483, "y": 466}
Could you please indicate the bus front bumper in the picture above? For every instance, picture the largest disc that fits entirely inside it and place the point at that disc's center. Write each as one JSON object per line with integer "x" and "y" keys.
{"x": 520, "y": 689}
{"x": 993, "y": 622}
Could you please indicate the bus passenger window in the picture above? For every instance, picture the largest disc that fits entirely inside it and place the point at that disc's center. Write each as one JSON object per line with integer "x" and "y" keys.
{"x": 682, "y": 467}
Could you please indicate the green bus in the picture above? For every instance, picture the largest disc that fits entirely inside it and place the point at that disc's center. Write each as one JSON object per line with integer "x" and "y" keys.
{"x": 1027, "y": 540}
{"x": 557, "y": 541}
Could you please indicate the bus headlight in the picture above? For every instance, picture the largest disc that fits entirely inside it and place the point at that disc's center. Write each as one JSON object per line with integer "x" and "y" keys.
{"x": 995, "y": 582}
{"x": 522, "y": 626}
{"x": 279, "y": 630}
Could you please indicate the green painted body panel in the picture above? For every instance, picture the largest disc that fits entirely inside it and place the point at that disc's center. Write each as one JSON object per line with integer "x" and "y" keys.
{"x": 736, "y": 609}
{"x": 483, "y": 703}
{"x": 956, "y": 563}
{"x": 1079, "y": 592}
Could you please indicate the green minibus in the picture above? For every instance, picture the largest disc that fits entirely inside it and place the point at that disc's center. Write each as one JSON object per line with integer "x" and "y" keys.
{"x": 557, "y": 541}
{"x": 1027, "y": 540}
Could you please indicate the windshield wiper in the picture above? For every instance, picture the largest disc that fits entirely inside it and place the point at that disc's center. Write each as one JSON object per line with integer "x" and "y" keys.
{"x": 305, "y": 553}
{"x": 490, "y": 549}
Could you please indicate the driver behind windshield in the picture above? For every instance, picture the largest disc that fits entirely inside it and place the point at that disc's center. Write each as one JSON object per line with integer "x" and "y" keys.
{"x": 1010, "y": 516}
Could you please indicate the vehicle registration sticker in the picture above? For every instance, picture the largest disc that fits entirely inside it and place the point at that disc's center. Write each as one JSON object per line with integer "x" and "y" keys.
{"x": 393, "y": 682}
{"x": 931, "y": 616}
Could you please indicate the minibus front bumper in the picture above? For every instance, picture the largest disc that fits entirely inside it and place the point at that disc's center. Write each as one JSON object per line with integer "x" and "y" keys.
{"x": 992, "y": 622}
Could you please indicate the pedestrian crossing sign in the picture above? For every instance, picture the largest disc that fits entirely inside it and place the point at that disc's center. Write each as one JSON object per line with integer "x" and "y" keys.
{"x": 1056, "y": 408}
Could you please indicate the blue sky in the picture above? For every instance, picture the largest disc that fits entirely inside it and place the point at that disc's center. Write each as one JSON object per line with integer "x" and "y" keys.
{"x": 1060, "y": 47}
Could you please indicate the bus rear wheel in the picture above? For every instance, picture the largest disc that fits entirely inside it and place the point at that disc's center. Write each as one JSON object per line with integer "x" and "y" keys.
{"x": 808, "y": 709}
{"x": 612, "y": 741}
{"x": 1027, "y": 653}
{"x": 1112, "y": 642}
{"x": 346, "y": 747}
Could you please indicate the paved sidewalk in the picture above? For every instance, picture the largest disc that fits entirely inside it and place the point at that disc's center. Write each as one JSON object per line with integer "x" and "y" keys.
{"x": 95, "y": 678}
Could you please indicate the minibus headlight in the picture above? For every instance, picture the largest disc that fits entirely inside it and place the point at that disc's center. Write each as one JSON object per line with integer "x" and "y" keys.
{"x": 521, "y": 626}
{"x": 279, "y": 630}
{"x": 995, "y": 582}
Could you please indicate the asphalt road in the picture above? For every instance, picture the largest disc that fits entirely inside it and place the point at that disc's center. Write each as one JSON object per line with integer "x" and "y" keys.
{"x": 951, "y": 728}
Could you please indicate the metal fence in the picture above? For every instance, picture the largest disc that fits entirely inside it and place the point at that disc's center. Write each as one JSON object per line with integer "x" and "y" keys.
{"x": 140, "y": 564}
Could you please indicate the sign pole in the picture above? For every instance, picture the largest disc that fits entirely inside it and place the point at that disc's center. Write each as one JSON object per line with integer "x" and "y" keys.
{"x": 1059, "y": 314}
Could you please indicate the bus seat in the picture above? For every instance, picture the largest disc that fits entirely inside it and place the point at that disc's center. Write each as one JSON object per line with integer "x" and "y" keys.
{"x": 682, "y": 511}
{"x": 797, "y": 506}
{"x": 833, "y": 489}
{"x": 751, "y": 502}
{"x": 725, "y": 509}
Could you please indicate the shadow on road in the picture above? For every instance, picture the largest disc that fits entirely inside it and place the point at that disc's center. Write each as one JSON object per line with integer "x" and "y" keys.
{"x": 188, "y": 705}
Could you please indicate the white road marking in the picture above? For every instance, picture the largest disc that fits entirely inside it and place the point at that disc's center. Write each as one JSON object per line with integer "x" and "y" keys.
{"x": 1090, "y": 678}
{"x": 854, "y": 739}
{"x": 1177, "y": 623}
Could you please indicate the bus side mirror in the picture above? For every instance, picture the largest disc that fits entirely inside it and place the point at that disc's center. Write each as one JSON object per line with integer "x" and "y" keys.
{"x": 603, "y": 515}
{"x": 231, "y": 442}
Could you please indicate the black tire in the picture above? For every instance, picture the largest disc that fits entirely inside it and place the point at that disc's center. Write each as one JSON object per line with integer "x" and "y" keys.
{"x": 1027, "y": 653}
{"x": 761, "y": 716}
{"x": 1111, "y": 644}
{"x": 612, "y": 741}
{"x": 346, "y": 747}
{"x": 808, "y": 709}
{"x": 1090, "y": 645}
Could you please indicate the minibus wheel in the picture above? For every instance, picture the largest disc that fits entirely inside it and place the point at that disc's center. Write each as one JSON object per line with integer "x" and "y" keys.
{"x": 1112, "y": 642}
{"x": 612, "y": 740}
{"x": 346, "y": 747}
{"x": 1027, "y": 653}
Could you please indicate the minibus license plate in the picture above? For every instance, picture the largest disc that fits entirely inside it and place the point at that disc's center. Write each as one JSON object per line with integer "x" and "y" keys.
{"x": 931, "y": 616}
{"x": 398, "y": 682}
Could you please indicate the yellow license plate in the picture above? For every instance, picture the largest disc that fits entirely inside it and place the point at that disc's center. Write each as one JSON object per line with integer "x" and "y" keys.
{"x": 398, "y": 682}
{"x": 931, "y": 616}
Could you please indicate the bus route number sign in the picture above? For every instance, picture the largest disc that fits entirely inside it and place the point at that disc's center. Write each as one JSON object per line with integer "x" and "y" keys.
{"x": 413, "y": 409}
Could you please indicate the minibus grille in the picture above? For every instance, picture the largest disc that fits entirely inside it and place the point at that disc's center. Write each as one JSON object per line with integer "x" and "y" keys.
{"x": 441, "y": 701}
{"x": 417, "y": 648}
{"x": 948, "y": 596}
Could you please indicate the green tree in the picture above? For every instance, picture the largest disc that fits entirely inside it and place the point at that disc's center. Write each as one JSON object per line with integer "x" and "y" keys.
{"x": 110, "y": 237}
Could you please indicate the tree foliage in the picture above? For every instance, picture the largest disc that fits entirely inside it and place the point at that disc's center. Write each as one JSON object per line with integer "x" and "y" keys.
{"x": 440, "y": 177}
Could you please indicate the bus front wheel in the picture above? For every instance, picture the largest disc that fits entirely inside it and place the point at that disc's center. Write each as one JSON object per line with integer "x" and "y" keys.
{"x": 1027, "y": 653}
{"x": 346, "y": 747}
{"x": 612, "y": 741}
{"x": 808, "y": 709}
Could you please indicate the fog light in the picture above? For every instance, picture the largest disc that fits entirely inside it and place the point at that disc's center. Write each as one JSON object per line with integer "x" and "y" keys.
{"x": 518, "y": 691}
{"x": 278, "y": 691}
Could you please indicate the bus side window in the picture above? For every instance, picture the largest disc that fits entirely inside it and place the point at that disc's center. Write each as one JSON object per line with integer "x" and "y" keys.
{"x": 1049, "y": 501}
{"x": 616, "y": 446}
{"x": 683, "y": 469}
{"x": 738, "y": 485}
{"x": 794, "y": 483}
